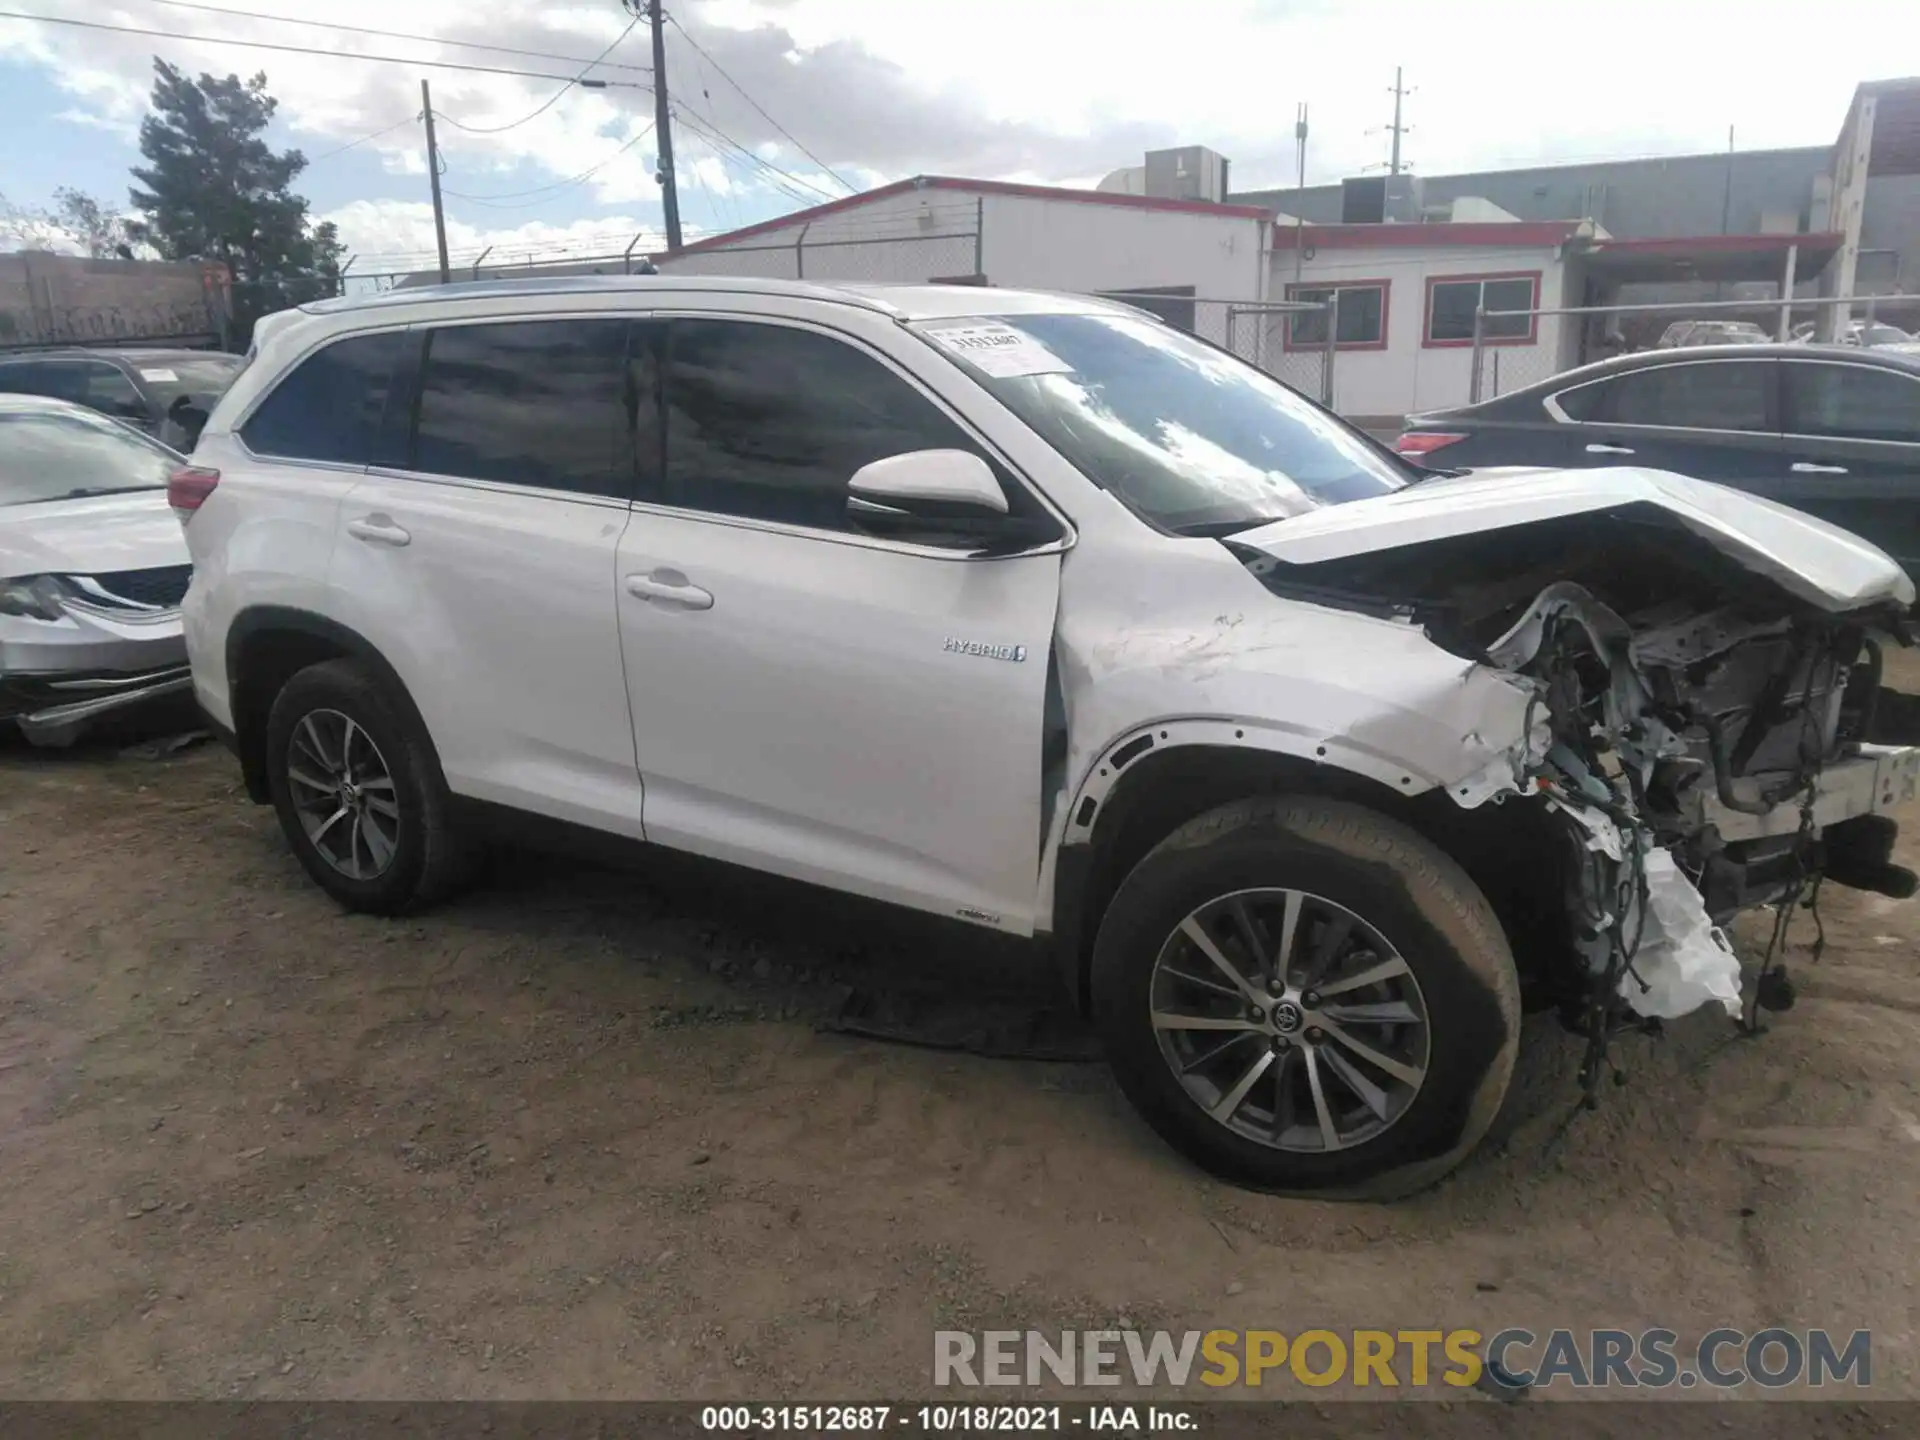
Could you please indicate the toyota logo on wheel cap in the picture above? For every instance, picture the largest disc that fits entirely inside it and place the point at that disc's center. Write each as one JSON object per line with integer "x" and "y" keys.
{"x": 1287, "y": 1017}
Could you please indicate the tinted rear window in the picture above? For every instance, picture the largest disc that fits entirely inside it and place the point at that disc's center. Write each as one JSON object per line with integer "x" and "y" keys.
{"x": 1700, "y": 396}
{"x": 530, "y": 402}
{"x": 328, "y": 408}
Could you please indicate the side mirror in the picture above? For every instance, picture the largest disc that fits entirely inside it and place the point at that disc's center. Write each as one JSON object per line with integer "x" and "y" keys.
{"x": 191, "y": 419}
{"x": 926, "y": 484}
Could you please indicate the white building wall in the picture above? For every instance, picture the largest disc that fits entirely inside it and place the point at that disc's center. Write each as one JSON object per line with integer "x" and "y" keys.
{"x": 1069, "y": 245}
{"x": 1024, "y": 241}
{"x": 1407, "y": 375}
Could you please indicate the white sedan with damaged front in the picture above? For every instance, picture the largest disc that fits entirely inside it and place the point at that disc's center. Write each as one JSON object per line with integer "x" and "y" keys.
{"x": 1028, "y": 610}
{"x": 92, "y": 570}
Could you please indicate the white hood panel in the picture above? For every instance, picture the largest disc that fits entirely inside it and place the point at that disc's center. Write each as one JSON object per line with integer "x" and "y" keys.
{"x": 1816, "y": 562}
{"x": 95, "y": 536}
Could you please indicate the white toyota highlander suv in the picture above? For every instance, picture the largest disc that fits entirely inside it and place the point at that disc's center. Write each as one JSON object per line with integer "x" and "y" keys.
{"x": 1034, "y": 612}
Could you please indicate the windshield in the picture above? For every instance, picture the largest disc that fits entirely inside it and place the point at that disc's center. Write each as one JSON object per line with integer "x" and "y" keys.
{"x": 1186, "y": 435}
{"x": 48, "y": 456}
{"x": 205, "y": 377}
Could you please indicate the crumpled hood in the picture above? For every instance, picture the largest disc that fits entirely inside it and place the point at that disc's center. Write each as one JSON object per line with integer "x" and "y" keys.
{"x": 98, "y": 535}
{"x": 1816, "y": 562}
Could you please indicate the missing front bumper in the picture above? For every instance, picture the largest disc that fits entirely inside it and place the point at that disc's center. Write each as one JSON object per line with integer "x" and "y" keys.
{"x": 1877, "y": 778}
{"x": 55, "y": 710}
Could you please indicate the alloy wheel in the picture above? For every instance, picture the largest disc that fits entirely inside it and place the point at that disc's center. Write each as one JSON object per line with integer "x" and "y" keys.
{"x": 1290, "y": 1020}
{"x": 343, "y": 794}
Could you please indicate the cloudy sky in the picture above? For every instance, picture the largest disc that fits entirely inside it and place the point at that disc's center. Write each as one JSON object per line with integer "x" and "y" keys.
{"x": 852, "y": 93}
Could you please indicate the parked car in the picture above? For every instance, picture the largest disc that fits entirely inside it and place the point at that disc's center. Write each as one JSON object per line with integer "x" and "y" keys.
{"x": 1033, "y": 612}
{"x": 1830, "y": 431}
{"x": 1857, "y": 332}
{"x": 165, "y": 393}
{"x": 1711, "y": 332}
{"x": 92, "y": 570}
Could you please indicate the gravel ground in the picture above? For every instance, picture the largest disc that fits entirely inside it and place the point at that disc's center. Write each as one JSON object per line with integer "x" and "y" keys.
{"x": 576, "y": 1135}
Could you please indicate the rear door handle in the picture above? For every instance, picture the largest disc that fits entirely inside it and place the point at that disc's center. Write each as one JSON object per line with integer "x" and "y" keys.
{"x": 378, "y": 530}
{"x": 670, "y": 587}
{"x": 1807, "y": 467}
{"x": 1598, "y": 449}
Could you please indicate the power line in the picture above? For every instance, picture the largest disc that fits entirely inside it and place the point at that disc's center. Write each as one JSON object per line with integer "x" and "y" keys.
{"x": 552, "y": 100}
{"x": 704, "y": 126}
{"x": 302, "y": 49}
{"x": 375, "y": 135}
{"x": 588, "y": 173}
{"x": 398, "y": 35}
{"x": 851, "y": 189}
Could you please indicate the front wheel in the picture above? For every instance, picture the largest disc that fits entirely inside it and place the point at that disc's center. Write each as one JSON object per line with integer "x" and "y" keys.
{"x": 1306, "y": 996}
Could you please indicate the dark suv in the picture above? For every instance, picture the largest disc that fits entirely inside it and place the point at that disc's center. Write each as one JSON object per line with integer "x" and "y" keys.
{"x": 165, "y": 393}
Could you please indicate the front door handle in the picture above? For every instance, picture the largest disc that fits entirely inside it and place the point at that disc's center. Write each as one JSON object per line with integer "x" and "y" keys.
{"x": 1807, "y": 467}
{"x": 670, "y": 587}
{"x": 1598, "y": 449}
{"x": 378, "y": 530}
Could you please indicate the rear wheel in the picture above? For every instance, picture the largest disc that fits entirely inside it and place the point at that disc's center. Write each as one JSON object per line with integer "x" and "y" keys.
{"x": 359, "y": 793}
{"x": 1305, "y": 995}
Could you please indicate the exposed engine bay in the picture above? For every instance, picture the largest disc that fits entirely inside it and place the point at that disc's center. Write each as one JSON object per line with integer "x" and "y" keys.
{"x": 1703, "y": 739}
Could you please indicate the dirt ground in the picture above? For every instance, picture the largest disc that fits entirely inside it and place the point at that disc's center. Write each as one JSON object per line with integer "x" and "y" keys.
{"x": 576, "y": 1135}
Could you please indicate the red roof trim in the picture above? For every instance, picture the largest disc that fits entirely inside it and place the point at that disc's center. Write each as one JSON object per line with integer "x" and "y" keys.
{"x": 1093, "y": 197}
{"x": 1362, "y": 237}
{"x": 1718, "y": 244}
{"x": 972, "y": 187}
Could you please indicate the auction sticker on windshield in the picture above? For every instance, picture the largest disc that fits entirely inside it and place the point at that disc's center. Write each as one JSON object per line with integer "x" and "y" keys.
{"x": 1000, "y": 350}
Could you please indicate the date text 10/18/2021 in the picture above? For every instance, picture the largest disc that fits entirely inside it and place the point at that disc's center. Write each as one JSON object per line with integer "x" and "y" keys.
{"x": 951, "y": 1419}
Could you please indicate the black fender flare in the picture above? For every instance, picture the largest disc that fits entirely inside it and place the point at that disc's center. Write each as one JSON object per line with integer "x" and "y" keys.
{"x": 249, "y": 699}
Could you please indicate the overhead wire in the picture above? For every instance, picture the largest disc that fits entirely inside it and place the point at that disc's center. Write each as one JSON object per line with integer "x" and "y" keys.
{"x": 351, "y": 144}
{"x": 586, "y": 174}
{"x": 700, "y": 125}
{"x": 552, "y": 100}
{"x": 398, "y": 35}
{"x": 305, "y": 49}
{"x": 842, "y": 180}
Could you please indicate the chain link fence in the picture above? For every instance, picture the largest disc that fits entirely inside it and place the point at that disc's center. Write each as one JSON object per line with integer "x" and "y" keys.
{"x": 1290, "y": 340}
{"x": 1513, "y": 349}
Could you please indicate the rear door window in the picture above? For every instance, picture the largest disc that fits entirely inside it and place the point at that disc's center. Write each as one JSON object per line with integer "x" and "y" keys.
{"x": 1701, "y": 396}
{"x": 1852, "y": 402}
{"x": 328, "y": 407}
{"x": 530, "y": 402}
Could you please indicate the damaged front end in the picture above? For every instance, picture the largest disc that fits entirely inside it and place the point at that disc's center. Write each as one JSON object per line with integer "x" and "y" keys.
{"x": 1704, "y": 733}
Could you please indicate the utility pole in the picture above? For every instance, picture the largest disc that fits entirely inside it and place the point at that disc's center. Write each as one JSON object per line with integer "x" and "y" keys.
{"x": 433, "y": 178}
{"x": 1399, "y": 93}
{"x": 663, "y": 126}
{"x": 1726, "y": 197}
{"x": 1299, "y": 220}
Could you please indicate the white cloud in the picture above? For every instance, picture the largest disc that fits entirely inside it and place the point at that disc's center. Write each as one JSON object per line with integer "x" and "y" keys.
{"x": 878, "y": 89}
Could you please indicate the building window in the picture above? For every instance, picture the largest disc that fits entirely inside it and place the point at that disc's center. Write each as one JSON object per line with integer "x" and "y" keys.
{"x": 1362, "y": 316}
{"x": 1453, "y": 299}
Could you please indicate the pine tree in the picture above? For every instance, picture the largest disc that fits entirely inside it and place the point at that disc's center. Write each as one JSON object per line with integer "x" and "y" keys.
{"x": 213, "y": 189}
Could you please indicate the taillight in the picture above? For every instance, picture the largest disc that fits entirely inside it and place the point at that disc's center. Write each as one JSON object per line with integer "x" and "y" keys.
{"x": 1424, "y": 442}
{"x": 188, "y": 489}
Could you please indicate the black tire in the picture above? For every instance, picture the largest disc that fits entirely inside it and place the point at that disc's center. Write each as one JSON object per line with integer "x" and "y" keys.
{"x": 1395, "y": 881}
{"x": 428, "y": 860}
